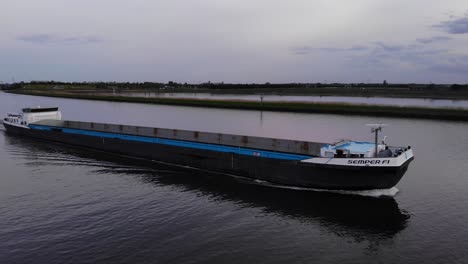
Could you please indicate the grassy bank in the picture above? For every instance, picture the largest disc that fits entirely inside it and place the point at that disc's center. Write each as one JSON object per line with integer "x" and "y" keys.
{"x": 326, "y": 108}
{"x": 430, "y": 91}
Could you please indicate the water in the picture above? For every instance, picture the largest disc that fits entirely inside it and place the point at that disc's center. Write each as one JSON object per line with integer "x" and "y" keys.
{"x": 418, "y": 102}
{"x": 66, "y": 205}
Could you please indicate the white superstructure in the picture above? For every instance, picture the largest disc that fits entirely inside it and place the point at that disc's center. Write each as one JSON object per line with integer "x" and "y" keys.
{"x": 360, "y": 154}
{"x": 398, "y": 158}
{"x": 351, "y": 149}
{"x": 31, "y": 115}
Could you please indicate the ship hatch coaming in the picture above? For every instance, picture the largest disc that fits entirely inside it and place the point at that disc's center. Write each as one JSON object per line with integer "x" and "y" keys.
{"x": 259, "y": 143}
{"x": 177, "y": 143}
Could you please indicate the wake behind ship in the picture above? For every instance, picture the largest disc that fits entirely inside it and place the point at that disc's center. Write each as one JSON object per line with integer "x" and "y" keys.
{"x": 345, "y": 165}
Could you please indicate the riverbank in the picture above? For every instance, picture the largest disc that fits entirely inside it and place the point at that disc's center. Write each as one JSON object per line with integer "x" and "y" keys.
{"x": 420, "y": 91}
{"x": 302, "y": 107}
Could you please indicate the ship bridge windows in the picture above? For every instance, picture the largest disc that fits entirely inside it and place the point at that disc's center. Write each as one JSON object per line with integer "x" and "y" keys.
{"x": 340, "y": 153}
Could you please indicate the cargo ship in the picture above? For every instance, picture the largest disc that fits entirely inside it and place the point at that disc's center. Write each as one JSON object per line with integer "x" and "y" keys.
{"x": 344, "y": 165}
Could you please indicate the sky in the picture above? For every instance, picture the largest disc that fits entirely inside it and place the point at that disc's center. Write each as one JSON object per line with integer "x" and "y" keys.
{"x": 235, "y": 41}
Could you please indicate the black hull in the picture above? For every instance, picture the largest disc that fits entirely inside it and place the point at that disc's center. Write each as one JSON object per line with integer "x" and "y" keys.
{"x": 283, "y": 172}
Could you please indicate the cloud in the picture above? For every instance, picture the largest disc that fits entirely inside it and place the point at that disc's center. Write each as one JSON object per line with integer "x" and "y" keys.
{"x": 51, "y": 39}
{"x": 433, "y": 39}
{"x": 413, "y": 54}
{"x": 454, "y": 65}
{"x": 307, "y": 49}
{"x": 382, "y": 55}
{"x": 450, "y": 68}
{"x": 395, "y": 57}
{"x": 358, "y": 48}
{"x": 81, "y": 40}
{"x": 455, "y": 26}
{"x": 36, "y": 38}
{"x": 302, "y": 50}
{"x": 464, "y": 58}
{"x": 376, "y": 46}
{"x": 391, "y": 47}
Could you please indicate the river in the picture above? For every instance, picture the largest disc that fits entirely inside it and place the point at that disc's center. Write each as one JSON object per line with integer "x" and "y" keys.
{"x": 60, "y": 204}
{"x": 416, "y": 102}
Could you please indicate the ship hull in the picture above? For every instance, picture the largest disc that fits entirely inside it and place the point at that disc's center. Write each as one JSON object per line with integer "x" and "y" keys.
{"x": 282, "y": 172}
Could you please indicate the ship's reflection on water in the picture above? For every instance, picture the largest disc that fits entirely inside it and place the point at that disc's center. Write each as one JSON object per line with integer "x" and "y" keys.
{"x": 353, "y": 216}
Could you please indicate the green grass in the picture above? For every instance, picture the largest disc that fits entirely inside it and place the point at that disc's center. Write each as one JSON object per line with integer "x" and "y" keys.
{"x": 325, "y": 108}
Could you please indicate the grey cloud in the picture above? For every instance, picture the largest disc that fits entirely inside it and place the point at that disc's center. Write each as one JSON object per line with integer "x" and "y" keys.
{"x": 302, "y": 50}
{"x": 457, "y": 62}
{"x": 455, "y": 26}
{"x": 391, "y": 47}
{"x": 381, "y": 49}
{"x": 380, "y": 54}
{"x": 391, "y": 56}
{"x": 433, "y": 39}
{"x": 464, "y": 58}
{"x": 415, "y": 54}
{"x": 358, "y": 48}
{"x": 36, "y": 38}
{"x": 307, "y": 49}
{"x": 450, "y": 68}
{"x": 82, "y": 40}
{"x": 51, "y": 39}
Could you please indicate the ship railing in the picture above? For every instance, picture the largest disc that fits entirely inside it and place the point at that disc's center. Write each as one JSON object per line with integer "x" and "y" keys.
{"x": 14, "y": 115}
{"x": 392, "y": 152}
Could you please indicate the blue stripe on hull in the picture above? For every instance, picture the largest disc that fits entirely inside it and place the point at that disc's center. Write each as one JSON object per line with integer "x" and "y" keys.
{"x": 178, "y": 143}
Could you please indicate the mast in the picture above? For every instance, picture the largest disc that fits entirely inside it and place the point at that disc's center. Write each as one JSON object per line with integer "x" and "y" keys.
{"x": 375, "y": 128}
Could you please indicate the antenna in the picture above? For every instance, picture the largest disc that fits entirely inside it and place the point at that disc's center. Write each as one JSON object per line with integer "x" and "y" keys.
{"x": 375, "y": 128}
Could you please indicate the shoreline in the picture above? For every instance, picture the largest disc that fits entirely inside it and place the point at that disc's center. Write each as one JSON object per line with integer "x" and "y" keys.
{"x": 354, "y": 92}
{"x": 299, "y": 107}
